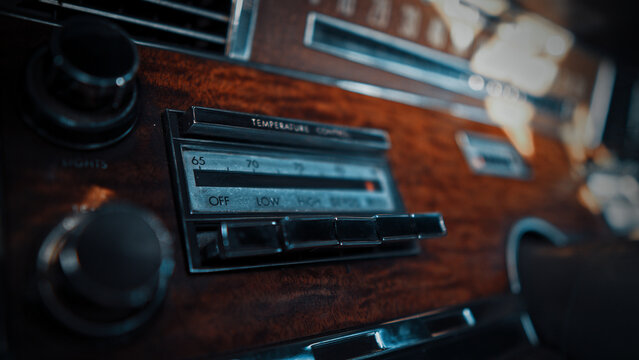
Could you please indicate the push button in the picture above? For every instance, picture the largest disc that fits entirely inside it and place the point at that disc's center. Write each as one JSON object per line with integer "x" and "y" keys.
{"x": 429, "y": 225}
{"x": 312, "y": 232}
{"x": 393, "y": 228}
{"x": 356, "y": 232}
{"x": 207, "y": 240}
{"x": 249, "y": 239}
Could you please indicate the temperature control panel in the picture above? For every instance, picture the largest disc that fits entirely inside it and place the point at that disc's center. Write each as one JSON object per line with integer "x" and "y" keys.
{"x": 256, "y": 191}
{"x": 229, "y": 182}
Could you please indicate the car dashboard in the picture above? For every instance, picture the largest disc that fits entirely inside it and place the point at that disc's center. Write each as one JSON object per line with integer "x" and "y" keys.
{"x": 321, "y": 179}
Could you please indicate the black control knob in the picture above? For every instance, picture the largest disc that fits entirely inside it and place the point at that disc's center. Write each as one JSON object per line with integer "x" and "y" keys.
{"x": 81, "y": 90}
{"x": 105, "y": 273}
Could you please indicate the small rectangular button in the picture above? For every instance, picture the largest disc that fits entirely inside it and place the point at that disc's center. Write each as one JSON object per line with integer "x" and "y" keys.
{"x": 250, "y": 239}
{"x": 393, "y": 228}
{"x": 207, "y": 240}
{"x": 356, "y": 232}
{"x": 429, "y": 225}
{"x": 309, "y": 232}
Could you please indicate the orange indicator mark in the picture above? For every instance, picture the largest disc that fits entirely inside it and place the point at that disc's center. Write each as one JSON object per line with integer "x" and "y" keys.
{"x": 369, "y": 186}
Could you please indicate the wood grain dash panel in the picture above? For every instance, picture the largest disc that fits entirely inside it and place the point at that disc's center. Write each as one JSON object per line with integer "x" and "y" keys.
{"x": 222, "y": 313}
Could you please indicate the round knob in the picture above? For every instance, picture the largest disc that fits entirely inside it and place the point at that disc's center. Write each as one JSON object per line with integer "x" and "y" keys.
{"x": 81, "y": 89}
{"x": 105, "y": 273}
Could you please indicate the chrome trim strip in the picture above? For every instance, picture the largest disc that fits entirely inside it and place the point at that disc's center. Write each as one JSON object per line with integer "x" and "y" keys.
{"x": 523, "y": 226}
{"x": 206, "y": 122}
{"x": 600, "y": 102}
{"x": 242, "y": 29}
{"x": 405, "y": 58}
{"x": 151, "y": 24}
{"x": 469, "y": 317}
{"x": 415, "y": 69}
{"x": 27, "y": 18}
{"x": 479, "y": 149}
{"x": 190, "y": 9}
{"x": 407, "y": 332}
{"x": 377, "y": 335}
{"x": 465, "y": 111}
{"x": 529, "y": 329}
{"x": 380, "y": 340}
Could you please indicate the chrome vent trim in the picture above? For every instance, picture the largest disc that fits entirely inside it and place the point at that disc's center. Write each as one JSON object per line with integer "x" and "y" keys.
{"x": 382, "y": 51}
{"x": 198, "y": 24}
{"x": 241, "y": 29}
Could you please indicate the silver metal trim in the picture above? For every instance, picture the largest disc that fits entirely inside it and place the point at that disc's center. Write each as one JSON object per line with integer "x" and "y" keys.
{"x": 190, "y": 9}
{"x": 469, "y": 322}
{"x": 377, "y": 335}
{"x": 242, "y": 29}
{"x": 523, "y": 226}
{"x": 151, "y": 24}
{"x": 475, "y": 146}
{"x": 461, "y": 110}
{"x": 457, "y": 84}
{"x": 403, "y": 333}
{"x": 408, "y": 59}
{"x": 28, "y": 18}
{"x": 529, "y": 329}
{"x": 204, "y": 121}
{"x": 469, "y": 317}
{"x": 600, "y": 102}
{"x": 380, "y": 340}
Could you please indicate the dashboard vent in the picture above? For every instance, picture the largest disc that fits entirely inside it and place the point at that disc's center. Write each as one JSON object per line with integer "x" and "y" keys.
{"x": 194, "y": 24}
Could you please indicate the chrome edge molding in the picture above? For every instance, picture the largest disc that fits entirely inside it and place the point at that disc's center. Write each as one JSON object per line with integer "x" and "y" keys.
{"x": 241, "y": 29}
{"x": 523, "y": 226}
{"x": 404, "y": 333}
{"x": 150, "y": 24}
{"x": 479, "y": 148}
{"x": 378, "y": 50}
{"x": 366, "y": 56}
{"x": 29, "y": 18}
{"x": 188, "y": 9}
{"x": 529, "y": 329}
{"x": 469, "y": 112}
{"x": 600, "y": 99}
